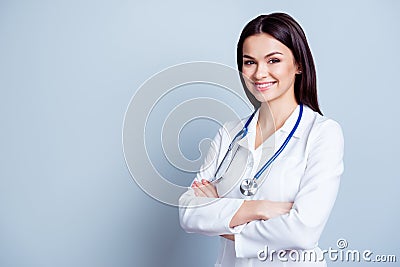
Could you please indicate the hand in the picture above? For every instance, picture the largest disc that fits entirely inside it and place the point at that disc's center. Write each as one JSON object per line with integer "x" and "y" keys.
{"x": 204, "y": 189}
{"x": 271, "y": 209}
{"x": 252, "y": 210}
{"x": 229, "y": 237}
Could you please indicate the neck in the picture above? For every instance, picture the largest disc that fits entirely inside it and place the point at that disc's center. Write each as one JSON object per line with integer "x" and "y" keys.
{"x": 273, "y": 115}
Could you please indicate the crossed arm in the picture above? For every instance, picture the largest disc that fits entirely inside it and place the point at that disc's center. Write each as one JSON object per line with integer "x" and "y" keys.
{"x": 295, "y": 225}
{"x": 250, "y": 210}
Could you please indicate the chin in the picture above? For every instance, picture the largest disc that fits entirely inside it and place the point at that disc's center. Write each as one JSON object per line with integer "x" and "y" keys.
{"x": 263, "y": 97}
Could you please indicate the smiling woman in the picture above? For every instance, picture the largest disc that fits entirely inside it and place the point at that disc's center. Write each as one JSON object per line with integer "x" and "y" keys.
{"x": 267, "y": 69}
{"x": 294, "y": 196}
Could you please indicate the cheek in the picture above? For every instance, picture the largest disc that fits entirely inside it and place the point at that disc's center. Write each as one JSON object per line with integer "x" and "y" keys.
{"x": 287, "y": 73}
{"x": 247, "y": 76}
{"x": 247, "y": 71}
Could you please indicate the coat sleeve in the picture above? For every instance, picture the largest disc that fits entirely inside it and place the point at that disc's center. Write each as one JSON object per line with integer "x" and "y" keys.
{"x": 209, "y": 216}
{"x": 301, "y": 228}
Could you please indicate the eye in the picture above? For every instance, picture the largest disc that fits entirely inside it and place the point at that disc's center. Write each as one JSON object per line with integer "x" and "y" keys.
{"x": 273, "y": 60}
{"x": 248, "y": 62}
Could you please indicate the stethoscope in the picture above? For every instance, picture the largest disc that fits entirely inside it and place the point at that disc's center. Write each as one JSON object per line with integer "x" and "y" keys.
{"x": 249, "y": 186}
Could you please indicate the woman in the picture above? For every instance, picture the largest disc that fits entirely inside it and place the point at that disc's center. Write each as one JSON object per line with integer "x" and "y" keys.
{"x": 296, "y": 193}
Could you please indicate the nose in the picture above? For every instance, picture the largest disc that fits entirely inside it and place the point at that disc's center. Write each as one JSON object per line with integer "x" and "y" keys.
{"x": 261, "y": 71}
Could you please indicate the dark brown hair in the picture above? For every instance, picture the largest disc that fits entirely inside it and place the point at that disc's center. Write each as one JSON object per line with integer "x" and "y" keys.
{"x": 286, "y": 30}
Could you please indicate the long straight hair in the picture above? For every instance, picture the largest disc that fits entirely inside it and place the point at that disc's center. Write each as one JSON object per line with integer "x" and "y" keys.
{"x": 286, "y": 30}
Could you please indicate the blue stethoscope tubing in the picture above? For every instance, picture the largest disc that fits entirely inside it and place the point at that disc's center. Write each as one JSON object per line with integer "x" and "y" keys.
{"x": 249, "y": 186}
{"x": 229, "y": 154}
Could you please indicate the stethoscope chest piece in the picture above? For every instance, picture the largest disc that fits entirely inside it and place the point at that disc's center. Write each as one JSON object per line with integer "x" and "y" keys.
{"x": 249, "y": 187}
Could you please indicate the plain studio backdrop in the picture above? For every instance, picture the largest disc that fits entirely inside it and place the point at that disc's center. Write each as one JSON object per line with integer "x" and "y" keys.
{"x": 68, "y": 70}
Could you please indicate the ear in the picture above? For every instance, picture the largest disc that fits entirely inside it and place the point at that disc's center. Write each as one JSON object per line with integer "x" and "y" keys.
{"x": 298, "y": 68}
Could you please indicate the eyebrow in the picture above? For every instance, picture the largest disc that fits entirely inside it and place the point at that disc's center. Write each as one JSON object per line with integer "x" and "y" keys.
{"x": 270, "y": 54}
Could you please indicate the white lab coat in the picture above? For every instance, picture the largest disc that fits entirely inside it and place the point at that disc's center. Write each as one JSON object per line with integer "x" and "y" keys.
{"x": 307, "y": 173}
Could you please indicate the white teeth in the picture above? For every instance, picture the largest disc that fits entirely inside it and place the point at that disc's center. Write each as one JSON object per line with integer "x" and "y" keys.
{"x": 264, "y": 85}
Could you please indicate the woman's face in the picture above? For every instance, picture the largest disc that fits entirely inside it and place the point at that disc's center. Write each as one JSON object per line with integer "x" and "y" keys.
{"x": 270, "y": 67}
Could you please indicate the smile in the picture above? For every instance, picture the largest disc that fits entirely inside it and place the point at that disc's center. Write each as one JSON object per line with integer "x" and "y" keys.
{"x": 264, "y": 86}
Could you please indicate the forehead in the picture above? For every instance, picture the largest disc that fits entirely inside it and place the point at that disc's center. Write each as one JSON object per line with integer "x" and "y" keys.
{"x": 263, "y": 44}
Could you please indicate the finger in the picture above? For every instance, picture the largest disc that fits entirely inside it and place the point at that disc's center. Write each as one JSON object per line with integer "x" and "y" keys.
{"x": 198, "y": 192}
{"x": 202, "y": 188}
{"x": 208, "y": 188}
{"x": 205, "y": 188}
{"x": 199, "y": 186}
{"x": 195, "y": 183}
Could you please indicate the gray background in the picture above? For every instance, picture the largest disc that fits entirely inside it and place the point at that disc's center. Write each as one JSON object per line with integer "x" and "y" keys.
{"x": 68, "y": 70}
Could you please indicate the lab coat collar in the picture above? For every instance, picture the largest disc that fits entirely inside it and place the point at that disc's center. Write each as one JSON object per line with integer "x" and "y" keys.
{"x": 291, "y": 121}
{"x": 249, "y": 140}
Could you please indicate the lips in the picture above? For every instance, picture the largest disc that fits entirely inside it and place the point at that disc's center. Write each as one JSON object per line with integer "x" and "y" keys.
{"x": 264, "y": 86}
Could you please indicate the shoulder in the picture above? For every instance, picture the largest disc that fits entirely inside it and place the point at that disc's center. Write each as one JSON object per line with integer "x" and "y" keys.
{"x": 234, "y": 126}
{"x": 323, "y": 128}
